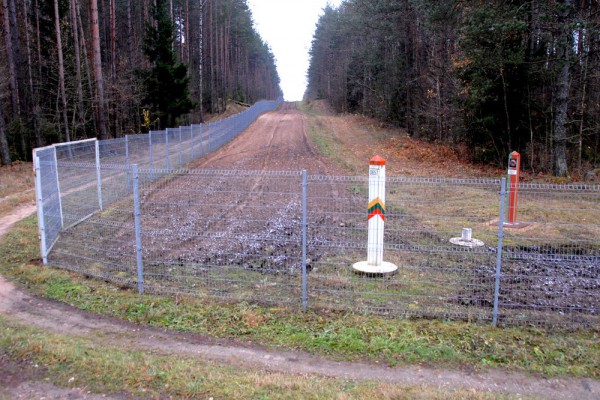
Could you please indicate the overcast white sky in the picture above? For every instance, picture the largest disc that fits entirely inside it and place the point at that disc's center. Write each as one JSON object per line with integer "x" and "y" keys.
{"x": 288, "y": 27}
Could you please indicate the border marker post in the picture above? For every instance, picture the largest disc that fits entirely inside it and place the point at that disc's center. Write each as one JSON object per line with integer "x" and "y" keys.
{"x": 376, "y": 221}
{"x": 514, "y": 170}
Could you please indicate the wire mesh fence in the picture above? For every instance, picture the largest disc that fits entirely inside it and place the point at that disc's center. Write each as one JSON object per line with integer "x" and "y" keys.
{"x": 69, "y": 174}
{"x": 288, "y": 238}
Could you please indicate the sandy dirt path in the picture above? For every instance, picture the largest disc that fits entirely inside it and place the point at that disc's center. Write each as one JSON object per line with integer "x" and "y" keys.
{"x": 21, "y": 212}
{"x": 277, "y": 140}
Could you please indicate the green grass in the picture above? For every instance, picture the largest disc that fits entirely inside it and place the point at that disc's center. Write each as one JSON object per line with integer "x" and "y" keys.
{"x": 82, "y": 362}
{"x": 325, "y": 141}
{"x": 338, "y": 335}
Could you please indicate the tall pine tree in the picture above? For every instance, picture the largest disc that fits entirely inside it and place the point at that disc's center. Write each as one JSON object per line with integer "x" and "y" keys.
{"x": 166, "y": 82}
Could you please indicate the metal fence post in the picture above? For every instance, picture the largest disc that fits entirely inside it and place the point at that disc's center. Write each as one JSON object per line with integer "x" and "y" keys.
{"x": 304, "y": 227}
{"x": 127, "y": 162}
{"x": 180, "y": 150}
{"x": 60, "y": 211}
{"x": 138, "y": 229}
{"x": 192, "y": 158}
{"x": 98, "y": 175}
{"x": 201, "y": 151}
{"x": 499, "y": 251}
{"x": 150, "y": 155}
{"x": 167, "y": 150}
{"x": 40, "y": 207}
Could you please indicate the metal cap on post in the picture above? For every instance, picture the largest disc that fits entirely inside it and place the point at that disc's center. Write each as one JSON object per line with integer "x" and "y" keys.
{"x": 376, "y": 221}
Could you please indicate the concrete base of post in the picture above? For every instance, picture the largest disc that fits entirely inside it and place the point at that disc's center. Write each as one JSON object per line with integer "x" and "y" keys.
{"x": 466, "y": 239}
{"x": 466, "y": 243}
{"x": 512, "y": 225}
{"x": 516, "y": 225}
{"x": 363, "y": 267}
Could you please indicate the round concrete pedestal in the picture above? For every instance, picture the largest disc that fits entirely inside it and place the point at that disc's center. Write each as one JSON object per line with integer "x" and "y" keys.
{"x": 466, "y": 243}
{"x": 385, "y": 268}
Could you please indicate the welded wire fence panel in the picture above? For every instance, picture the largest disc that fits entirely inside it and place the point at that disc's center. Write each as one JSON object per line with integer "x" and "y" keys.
{"x": 233, "y": 235}
{"x": 237, "y": 235}
{"x": 434, "y": 276}
{"x": 77, "y": 179}
{"x": 551, "y": 262}
{"x": 336, "y": 238}
{"x": 48, "y": 198}
{"x": 102, "y": 245}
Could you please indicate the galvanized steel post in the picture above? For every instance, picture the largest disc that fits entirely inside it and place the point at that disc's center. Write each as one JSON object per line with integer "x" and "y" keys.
{"x": 201, "y": 150}
{"x": 127, "y": 162}
{"x": 304, "y": 228}
{"x": 180, "y": 149}
{"x": 192, "y": 141}
{"x": 138, "y": 229}
{"x": 499, "y": 251}
{"x": 40, "y": 207}
{"x": 167, "y": 150}
{"x": 98, "y": 175}
{"x": 60, "y": 211}
{"x": 150, "y": 155}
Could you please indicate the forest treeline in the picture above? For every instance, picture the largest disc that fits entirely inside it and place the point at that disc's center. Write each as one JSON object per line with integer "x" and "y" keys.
{"x": 73, "y": 69}
{"x": 498, "y": 75}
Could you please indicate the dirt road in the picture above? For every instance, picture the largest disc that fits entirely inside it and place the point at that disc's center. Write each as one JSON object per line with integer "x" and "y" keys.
{"x": 277, "y": 140}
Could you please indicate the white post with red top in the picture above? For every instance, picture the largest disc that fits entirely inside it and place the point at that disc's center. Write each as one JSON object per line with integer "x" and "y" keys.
{"x": 376, "y": 221}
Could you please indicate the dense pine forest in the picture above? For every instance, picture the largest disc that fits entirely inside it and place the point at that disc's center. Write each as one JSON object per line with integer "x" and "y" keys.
{"x": 497, "y": 76}
{"x": 73, "y": 69}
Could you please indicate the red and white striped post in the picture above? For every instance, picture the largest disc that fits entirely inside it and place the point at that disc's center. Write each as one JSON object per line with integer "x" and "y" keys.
{"x": 514, "y": 170}
{"x": 376, "y": 221}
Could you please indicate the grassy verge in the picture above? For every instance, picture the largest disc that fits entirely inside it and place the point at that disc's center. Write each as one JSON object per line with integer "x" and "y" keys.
{"x": 337, "y": 335}
{"x": 325, "y": 141}
{"x": 16, "y": 187}
{"x": 15, "y": 178}
{"x": 79, "y": 362}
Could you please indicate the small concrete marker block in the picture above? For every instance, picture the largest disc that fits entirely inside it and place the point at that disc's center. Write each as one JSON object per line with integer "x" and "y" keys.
{"x": 466, "y": 239}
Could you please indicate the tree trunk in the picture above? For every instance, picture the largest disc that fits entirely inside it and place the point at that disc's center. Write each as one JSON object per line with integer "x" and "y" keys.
{"x": 61, "y": 71}
{"x": 86, "y": 58}
{"x": 186, "y": 53}
{"x": 97, "y": 66}
{"x": 582, "y": 53}
{"x": 4, "y": 150}
{"x": 10, "y": 58}
{"x": 38, "y": 38}
{"x": 561, "y": 96}
{"x": 201, "y": 60}
{"x": 78, "y": 79}
{"x": 129, "y": 35}
{"x": 113, "y": 41}
{"x": 211, "y": 56}
{"x": 35, "y": 107}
